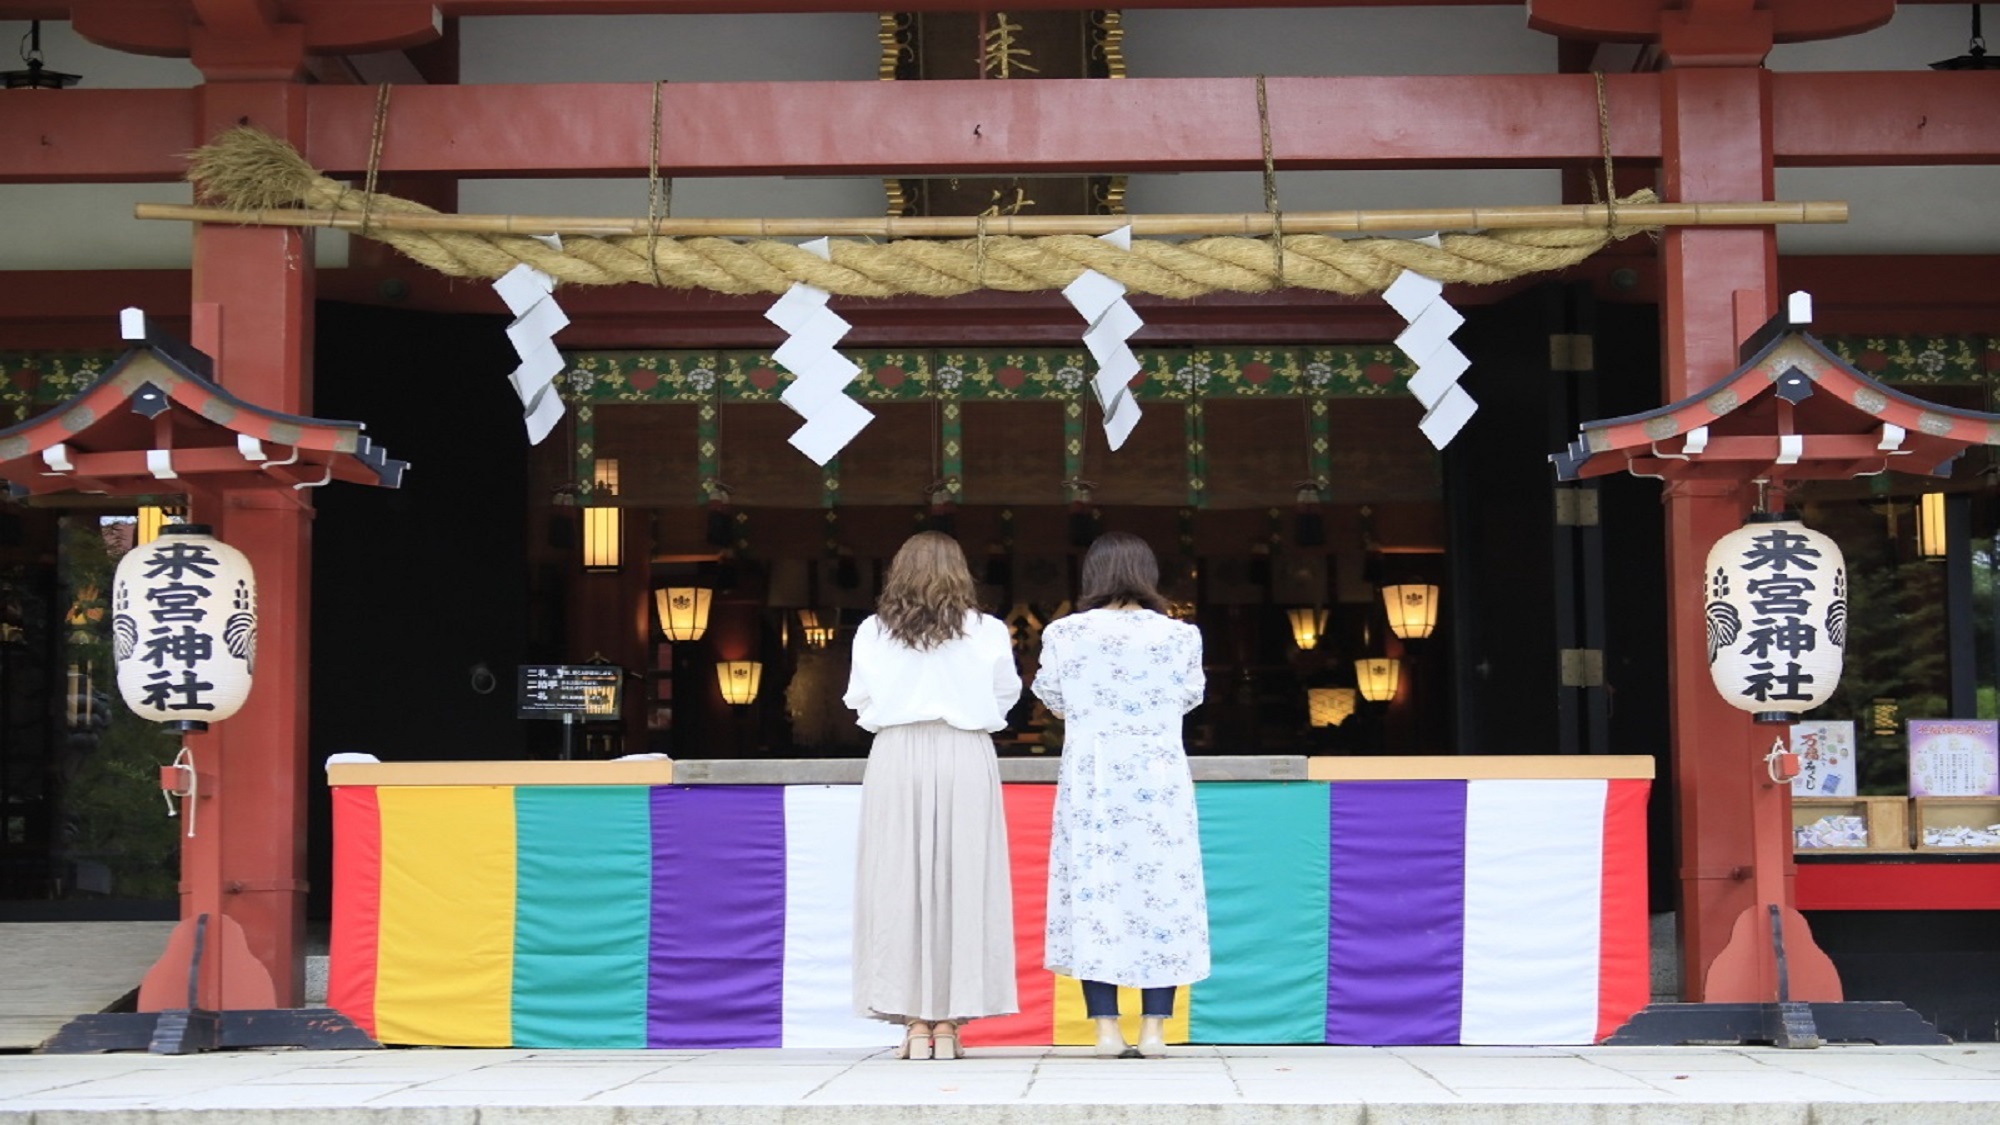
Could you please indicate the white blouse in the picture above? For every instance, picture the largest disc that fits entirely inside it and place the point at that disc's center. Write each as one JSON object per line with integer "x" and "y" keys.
{"x": 968, "y": 681}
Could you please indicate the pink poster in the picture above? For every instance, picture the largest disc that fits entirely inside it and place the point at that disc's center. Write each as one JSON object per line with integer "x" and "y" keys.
{"x": 1954, "y": 757}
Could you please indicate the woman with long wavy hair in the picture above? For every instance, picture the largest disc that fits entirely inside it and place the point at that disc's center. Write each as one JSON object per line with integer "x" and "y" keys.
{"x": 932, "y": 677}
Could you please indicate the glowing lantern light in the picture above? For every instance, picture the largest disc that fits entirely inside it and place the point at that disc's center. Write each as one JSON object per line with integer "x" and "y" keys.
{"x": 817, "y": 630}
{"x": 1378, "y": 677}
{"x": 1329, "y": 706}
{"x": 1412, "y": 608}
{"x": 739, "y": 679}
{"x": 1308, "y": 626}
{"x": 683, "y": 611}
{"x": 1930, "y": 526}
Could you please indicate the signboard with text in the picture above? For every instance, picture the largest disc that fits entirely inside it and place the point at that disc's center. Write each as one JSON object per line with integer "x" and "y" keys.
{"x": 1826, "y": 759}
{"x": 582, "y": 691}
{"x": 1954, "y": 757}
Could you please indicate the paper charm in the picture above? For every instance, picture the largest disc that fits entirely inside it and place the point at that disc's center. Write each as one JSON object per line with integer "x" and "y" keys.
{"x": 1101, "y": 302}
{"x": 529, "y": 294}
{"x": 818, "y": 391}
{"x": 1427, "y": 341}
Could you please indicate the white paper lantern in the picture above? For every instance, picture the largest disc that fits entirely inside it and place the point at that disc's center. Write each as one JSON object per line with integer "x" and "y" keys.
{"x": 184, "y": 628}
{"x": 1776, "y": 611}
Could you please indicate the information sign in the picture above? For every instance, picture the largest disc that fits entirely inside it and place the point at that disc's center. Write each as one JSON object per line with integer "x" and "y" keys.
{"x": 575, "y": 691}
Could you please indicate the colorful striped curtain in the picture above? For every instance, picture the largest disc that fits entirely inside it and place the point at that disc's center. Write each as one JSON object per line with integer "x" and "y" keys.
{"x": 1359, "y": 912}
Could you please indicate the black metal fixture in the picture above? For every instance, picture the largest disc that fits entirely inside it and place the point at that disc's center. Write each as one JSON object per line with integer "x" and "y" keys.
{"x": 1975, "y": 56}
{"x": 36, "y": 76}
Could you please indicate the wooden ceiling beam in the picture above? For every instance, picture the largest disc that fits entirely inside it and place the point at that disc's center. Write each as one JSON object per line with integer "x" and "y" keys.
{"x": 1062, "y": 126}
{"x": 1875, "y": 294}
{"x": 182, "y": 28}
{"x": 237, "y": 17}
{"x": 1549, "y": 11}
{"x": 1639, "y": 21}
{"x": 295, "y": 9}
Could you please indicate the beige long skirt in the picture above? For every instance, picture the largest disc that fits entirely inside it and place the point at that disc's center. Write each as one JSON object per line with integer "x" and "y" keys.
{"x": 933, "y": 903}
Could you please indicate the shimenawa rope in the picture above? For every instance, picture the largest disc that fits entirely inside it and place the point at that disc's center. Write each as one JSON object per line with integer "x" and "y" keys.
{"x": 248, "y": 170}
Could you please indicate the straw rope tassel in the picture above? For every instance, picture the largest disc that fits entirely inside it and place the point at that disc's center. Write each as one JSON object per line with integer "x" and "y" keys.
{"x": 250, "y": 171}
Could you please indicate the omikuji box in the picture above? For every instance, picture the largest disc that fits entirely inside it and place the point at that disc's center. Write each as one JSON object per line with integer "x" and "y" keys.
{"x": 1958, "y": 824}
{"x": 1850, "y": 824}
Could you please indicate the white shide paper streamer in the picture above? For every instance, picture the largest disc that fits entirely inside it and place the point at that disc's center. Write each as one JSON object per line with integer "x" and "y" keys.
{"x": 1427, "y": 341}
{"x": 537, "y": 318}
{"x": 818, "y": 391}
{"x": 1101, "y": 301}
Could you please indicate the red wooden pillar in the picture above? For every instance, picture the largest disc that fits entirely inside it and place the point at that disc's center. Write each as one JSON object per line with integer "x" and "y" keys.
{"x": 253, "y": 304}
{"x": 1719, "y": 285}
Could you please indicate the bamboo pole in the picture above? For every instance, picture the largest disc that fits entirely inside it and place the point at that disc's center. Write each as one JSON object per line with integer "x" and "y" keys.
{"x": 1256, "y": 224}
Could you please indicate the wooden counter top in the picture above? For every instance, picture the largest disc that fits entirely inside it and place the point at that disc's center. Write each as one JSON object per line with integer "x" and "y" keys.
{"x": 847, "y": 771}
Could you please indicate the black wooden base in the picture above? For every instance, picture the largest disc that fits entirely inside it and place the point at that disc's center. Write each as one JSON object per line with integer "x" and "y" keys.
{"x": 1788, "y": 1024}
{"x": 185, "y": 1031}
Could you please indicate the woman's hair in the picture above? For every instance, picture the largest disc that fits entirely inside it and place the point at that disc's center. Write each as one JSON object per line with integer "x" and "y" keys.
{"x": 1119, "y": 569}
{"x": 925, "y": 598}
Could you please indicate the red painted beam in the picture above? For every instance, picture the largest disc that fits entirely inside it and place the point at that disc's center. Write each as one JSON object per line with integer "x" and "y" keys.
{"x": 63, "y": 9}
{"x": 1919, "y": 885}
{"x": 96, "y": 136}
{"x": 236, "y": 17}
{"x": 1885, "y": 117}
{"x": 809, "y": 128}
{"x": 1057, "y": 126}
{"x": 1933, "y": 294}
{"x": 971, "y": 127}
{"x": 1640, "y": 21}
{"x": 312, "y": 9}
{"x": 177, "y": 28}
{"x": 1919, "y": 294}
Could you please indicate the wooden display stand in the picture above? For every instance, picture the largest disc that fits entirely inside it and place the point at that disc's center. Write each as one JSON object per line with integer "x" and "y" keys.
{"x": 1955, "y": 812}
{"x": 1886, "y": 820}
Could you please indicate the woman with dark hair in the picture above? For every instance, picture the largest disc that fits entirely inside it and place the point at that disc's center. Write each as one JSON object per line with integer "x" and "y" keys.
{"x": 932, "y": 677}
{"x": 1126, "y": 900}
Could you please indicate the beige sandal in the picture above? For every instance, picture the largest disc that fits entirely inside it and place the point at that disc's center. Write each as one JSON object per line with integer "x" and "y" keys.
{"x": 917, "y": 1042}
{"x": 1110, "y": 1039}
{"x": 944, "y": 1042}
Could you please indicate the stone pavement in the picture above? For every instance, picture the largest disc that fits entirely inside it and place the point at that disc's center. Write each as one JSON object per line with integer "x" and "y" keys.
{"x": 1833, "y": 1085}
{"x": 50, "y": 971}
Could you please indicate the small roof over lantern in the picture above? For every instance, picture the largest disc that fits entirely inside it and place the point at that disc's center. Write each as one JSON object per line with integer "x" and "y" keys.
{"x": 157, "y": 422}
{"x": 1793, "y": 410}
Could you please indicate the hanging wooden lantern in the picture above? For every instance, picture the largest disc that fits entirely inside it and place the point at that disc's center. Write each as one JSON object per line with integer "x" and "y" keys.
{"x": 739, "y": 680}
{"x": 1931, "y": 538}
{"x": 184, "y": 628}
{"x": 1776, "y": 613}
{"x": 603, "y": 536}
{"x": 1308, "y": 626}
{"x": 683, "y": 611}
{"x": 1412, "y": 608}
{"x": 1378, "y": 677}
{"x": 817, "y": 627}
{"x": 1329, "y": 706}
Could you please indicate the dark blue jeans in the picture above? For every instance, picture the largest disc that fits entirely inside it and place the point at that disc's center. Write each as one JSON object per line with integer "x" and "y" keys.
{"x": 1101, "y": 999}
